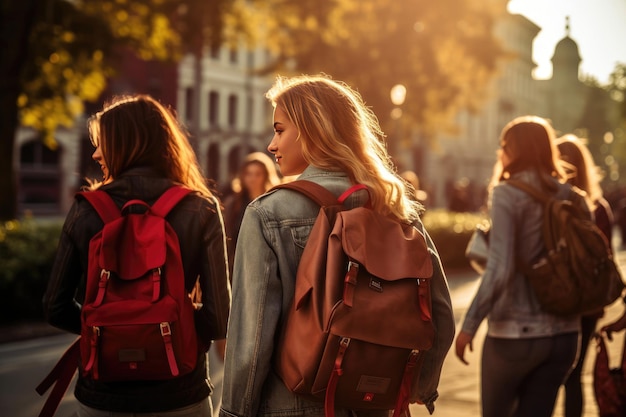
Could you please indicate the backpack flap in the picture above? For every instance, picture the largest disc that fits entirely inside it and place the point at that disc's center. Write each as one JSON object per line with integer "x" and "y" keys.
{"x": 382, "y": 277}
{"x": 133, "y": 245}
{"x": 365, "y": 238}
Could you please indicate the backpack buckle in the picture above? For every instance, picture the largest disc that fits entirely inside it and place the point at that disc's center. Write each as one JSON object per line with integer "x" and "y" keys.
{"x": 165, "y": 329}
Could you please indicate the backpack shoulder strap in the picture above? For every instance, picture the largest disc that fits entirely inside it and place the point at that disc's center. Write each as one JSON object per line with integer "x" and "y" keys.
{"x": 60, "y": 376}
{"x": 529, "y": 189}
{"x": 314, "y": 191}
{"x": 102, "y": 203}
{"x": 169, "y": 199}
{"x": 320, "y": 194}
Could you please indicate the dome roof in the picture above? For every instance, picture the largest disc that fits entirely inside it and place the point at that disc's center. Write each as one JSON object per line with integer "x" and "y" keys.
{"x": 566, "y": 48}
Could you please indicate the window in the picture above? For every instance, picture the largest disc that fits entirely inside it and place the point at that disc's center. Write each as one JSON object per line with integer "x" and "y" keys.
{"x": 234, "y": 56}
{"x": 232, "y": 111}
{"x": 189, "y": 105}
{"x": 214, "y": 101}
{"x": 39, "y": 178}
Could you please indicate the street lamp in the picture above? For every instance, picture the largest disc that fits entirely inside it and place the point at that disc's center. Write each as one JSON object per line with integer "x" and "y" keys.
{"x": 397, "y": 95}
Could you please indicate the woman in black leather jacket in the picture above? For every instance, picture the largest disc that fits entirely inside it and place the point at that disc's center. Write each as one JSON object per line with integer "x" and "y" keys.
{"x": 142, "y": 151}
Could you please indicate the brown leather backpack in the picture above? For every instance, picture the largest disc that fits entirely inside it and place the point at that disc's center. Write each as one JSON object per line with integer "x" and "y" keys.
{"x": 576, "y": 274}
{"x": 361, "y": 314}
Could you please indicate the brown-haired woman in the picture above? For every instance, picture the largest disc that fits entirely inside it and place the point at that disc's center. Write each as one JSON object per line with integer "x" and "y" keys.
{"x": 143, "y": 151}
{"x": 527, "y": 353}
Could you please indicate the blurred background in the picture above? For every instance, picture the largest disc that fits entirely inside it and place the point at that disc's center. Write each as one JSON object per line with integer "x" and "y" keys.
{"x": 443, "y": 77}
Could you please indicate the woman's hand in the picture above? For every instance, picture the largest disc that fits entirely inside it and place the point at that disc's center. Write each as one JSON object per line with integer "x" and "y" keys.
{"x": 462, "y": 340}
{"x": 616, "y": 326}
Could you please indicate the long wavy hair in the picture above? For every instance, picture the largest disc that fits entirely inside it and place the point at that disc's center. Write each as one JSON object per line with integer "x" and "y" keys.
{"x": 138, "y": 131}
{"x": 582, "y": 170}
{"x": 339, "y": 133}
{"x": 529, "y": 143}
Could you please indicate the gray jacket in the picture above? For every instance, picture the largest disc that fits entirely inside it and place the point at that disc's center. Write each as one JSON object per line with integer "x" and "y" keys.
{"x": 505, "y": 296}
{"x": 273, "y": 234}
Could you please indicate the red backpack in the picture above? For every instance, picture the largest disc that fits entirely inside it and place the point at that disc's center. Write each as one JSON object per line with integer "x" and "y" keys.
{"x": 137, "y": 318}
{"x": 361, "y": 316}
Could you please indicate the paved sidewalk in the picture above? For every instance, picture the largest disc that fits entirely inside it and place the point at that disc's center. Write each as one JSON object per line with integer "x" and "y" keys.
{"x": 459, "y": 388}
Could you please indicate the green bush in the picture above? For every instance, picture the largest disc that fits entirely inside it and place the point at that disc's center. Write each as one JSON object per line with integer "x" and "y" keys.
{"x": 451, "y": 232}
{"x": 27, "y": 250}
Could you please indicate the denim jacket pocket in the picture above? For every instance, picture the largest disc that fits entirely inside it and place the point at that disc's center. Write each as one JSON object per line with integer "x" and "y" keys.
{"x": 300, "y": 235}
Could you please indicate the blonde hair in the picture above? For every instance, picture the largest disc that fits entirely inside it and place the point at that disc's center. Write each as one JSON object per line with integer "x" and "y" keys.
{"x": 529, "y": 142}
{"x": 138, "y": 131}
{"x": 339, "y": 133}
{"x": 583, "y": 172}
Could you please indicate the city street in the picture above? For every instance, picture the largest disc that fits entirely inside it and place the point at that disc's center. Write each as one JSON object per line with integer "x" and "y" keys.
{"x": 24, "y": 364}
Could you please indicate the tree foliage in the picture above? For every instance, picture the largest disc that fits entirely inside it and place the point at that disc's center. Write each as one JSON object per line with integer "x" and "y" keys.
{"x": 443, "y": 51}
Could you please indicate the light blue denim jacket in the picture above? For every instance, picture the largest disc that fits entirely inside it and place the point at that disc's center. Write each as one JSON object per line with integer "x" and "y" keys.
{"x": 505, "y": 296}
{"x": 273, "y": 234}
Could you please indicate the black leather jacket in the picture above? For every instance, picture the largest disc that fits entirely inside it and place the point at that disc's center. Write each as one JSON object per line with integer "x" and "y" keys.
{"x": 199, "y": 226}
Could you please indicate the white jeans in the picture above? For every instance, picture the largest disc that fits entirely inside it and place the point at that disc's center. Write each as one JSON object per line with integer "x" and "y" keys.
{"x": 200, "y": 409}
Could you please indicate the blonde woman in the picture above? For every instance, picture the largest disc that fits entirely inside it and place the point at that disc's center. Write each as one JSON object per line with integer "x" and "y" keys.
{"x": 142, "y": 151}
{"x": 324, "y": 133}
{"x": 527, "y": 353}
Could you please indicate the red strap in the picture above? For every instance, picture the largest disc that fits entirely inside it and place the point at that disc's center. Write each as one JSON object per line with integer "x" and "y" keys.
{"x": 102, "y": 287}
{"x": 350, "y": 191}
{"x": 102, "y": 203}
{"x": 156, "y": 284}
{"x": 134, "y": 202}
{"x": 166, "y": 332}
{"x": 350, "y": 283}
{"x": 61, "y": 376}
{"x": 92, "y": 364}
{"x": 169, "y": 199}
{"x": 402, "y": 403}
{"x": 329, "y": 401}
{"x": 423, "y": 288}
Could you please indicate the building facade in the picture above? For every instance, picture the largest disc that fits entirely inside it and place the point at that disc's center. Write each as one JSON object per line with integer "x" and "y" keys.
{"x": 220, "y": 99}
{"x": 469, "y": 155}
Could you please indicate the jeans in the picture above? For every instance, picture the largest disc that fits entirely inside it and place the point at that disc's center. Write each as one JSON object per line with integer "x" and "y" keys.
{"x": 574, "y": 399}
{"x": 200, "y": 409}
{"x": 521, "y": 377}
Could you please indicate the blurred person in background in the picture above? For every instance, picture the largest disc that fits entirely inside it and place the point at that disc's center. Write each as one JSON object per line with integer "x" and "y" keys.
{"x": 527, "y": 353}
{"x": 585, "y": 175}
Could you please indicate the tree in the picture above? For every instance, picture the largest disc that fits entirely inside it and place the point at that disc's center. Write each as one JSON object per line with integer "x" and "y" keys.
{"x": 443, "y": 52}
{"x": 16, "y": 20}
{"x": 58, "y": 54}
